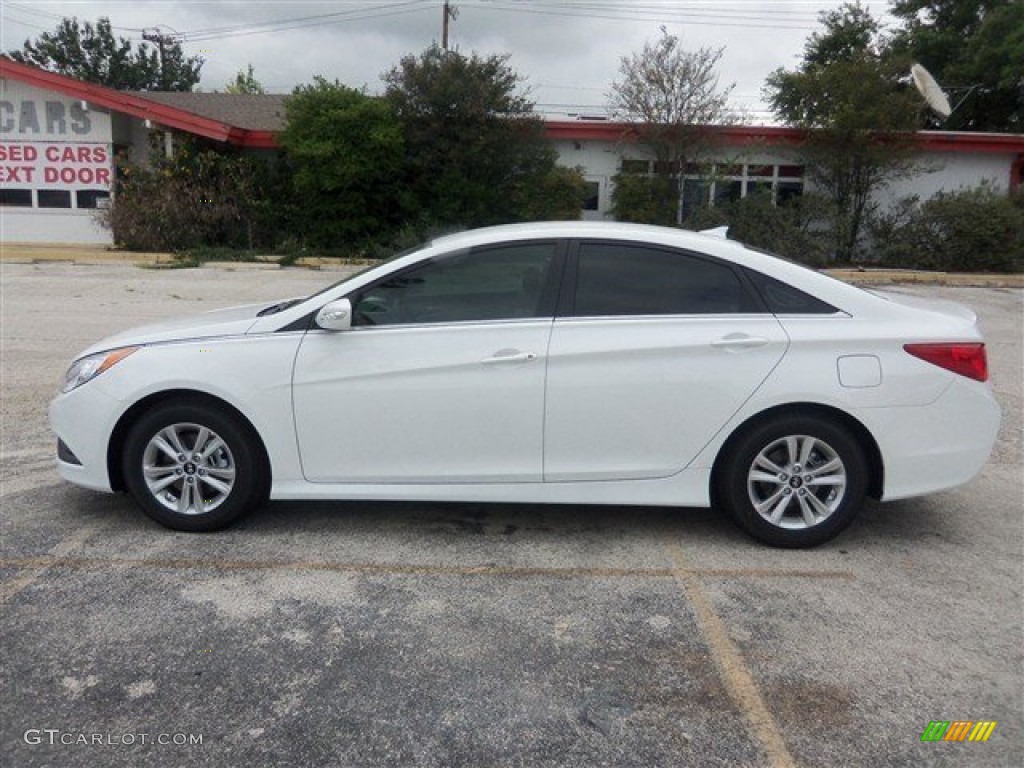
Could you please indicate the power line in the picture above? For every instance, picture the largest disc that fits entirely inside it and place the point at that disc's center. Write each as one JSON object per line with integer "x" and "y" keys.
{"x": 50, "y": 15}
{"x": 627, "y": 15}
{"x": 281, "y": 25}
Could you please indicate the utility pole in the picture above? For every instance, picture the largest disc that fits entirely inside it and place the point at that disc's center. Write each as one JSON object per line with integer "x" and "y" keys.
{"x": 156, "y": 36}
{"x": 449, "y": 12}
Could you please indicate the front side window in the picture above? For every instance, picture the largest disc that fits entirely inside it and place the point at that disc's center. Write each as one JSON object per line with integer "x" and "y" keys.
{"x": 493, "y": 283}
{"x": 625, "y": 279}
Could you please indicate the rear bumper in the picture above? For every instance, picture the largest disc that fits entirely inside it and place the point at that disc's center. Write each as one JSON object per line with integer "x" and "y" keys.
{"x": 937, "y": 446}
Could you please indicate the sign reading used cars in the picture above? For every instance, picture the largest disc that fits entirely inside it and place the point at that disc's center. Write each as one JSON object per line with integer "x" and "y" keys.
{"x": 57, "y": 165}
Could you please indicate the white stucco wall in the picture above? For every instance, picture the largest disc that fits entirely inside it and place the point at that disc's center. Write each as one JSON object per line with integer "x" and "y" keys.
{"x": 949, "y": 172}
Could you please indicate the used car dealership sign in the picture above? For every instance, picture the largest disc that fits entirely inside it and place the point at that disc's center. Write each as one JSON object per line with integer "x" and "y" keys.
{"x": 50, "y": 141}
{"x": 57, "y": 165}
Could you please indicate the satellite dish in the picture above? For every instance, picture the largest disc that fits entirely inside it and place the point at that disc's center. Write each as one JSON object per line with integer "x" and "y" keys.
{"x": 930, "y": 90}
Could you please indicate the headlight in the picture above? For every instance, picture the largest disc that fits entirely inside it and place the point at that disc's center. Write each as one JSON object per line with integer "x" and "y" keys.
{"x": 90, "y": 367}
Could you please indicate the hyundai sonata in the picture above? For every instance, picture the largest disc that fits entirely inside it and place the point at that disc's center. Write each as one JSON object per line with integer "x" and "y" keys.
{"x": 562, "y": 362}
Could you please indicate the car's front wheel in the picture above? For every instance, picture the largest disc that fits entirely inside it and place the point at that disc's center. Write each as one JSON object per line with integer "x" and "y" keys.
{"x": 794, "y": 481}
{"x": 192, "y": 467}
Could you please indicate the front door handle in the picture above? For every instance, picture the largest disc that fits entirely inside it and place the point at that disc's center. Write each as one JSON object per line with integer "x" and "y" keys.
{"x": 509, "y": 356}
{"x": 740, "y": 341}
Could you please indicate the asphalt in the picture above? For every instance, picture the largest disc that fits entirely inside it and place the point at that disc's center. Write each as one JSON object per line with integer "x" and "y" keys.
{"x": 387, "y": 634}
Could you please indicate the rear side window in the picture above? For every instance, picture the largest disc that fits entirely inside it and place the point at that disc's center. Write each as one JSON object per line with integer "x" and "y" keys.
{"x": 783, "y": 299}
{"x": 626, "y": 279}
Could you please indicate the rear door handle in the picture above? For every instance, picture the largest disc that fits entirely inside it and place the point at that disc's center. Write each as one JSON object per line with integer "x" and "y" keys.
{"x": 509, "y": 356}
{"x": 740, "y": 341}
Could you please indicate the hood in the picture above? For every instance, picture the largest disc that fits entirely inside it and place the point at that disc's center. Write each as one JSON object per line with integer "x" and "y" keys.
{"x": 233, "y": 321}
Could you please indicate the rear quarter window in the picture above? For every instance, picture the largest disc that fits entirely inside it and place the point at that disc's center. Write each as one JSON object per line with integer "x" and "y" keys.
{"x": 783, "y": 299}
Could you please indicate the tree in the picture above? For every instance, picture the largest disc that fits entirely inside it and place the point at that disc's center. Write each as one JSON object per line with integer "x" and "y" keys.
{"x": 92, "y": 53}
{"x": 245, "y": 82}
{"x": 847, "y": 94}
{"x": 475, "y": 152}
{"x": 975, "y": 49}
{"x": 672, "y": 97}
{"x": 346, "y": 152}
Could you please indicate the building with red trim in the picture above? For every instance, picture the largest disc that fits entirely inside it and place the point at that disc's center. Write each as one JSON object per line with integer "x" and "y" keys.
{"x": 59, "y": 137}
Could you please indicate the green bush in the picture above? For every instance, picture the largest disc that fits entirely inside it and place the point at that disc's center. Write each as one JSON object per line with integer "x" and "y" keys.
{"x": 792, "y": 229}
{"x": 971, "y": 230}
{"x": 345, "y": 151}
{"x": 198, "y": 197}
{"x": 644, "y": 199}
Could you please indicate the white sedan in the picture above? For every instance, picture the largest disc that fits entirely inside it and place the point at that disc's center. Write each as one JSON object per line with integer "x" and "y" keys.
{"x": 562, "y": 362}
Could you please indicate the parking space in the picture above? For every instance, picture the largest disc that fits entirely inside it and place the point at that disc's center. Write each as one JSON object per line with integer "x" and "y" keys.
{"x": 380, "y": 634}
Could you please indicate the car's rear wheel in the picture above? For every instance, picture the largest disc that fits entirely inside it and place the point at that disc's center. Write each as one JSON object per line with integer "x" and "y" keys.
{"x": 794, "y": 481}
{"x": 192, "y": 467}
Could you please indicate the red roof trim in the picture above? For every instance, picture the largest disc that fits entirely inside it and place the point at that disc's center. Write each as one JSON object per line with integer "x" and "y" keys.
{"x": 773, "y": 136}
{"x": 257, "y": 139}
{"x": 130, "y": 104}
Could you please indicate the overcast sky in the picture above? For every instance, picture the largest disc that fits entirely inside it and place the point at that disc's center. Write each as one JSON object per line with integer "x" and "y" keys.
{"x": 568, "y": 51}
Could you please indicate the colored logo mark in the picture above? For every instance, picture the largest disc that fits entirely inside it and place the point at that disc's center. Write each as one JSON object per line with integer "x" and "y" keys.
{"x": 958, "y": 730}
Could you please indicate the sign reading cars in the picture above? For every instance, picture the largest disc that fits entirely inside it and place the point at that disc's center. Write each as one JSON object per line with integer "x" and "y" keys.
{"x": 55, "y": 165}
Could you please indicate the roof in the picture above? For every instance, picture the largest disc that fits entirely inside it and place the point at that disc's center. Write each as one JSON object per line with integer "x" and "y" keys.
{"x": 140, "y": 105}
{"x": 741, "y": 135}
{"x": 249, "y": 111}
{"x": 251, "y": 120}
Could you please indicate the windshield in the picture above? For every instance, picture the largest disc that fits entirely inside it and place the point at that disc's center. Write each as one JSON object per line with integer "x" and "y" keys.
{"x": 362, "y": 271}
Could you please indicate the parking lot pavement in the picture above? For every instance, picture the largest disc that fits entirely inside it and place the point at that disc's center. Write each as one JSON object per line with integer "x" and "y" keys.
{"x": 373, "y": 634}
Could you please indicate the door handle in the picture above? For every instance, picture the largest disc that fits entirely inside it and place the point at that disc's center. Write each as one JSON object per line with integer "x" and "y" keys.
{"x": 509, "y": 356}
{"x": 740, "y": 341}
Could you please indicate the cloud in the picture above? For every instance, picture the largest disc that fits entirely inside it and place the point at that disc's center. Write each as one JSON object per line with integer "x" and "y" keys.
{"x": 566, "y": 59}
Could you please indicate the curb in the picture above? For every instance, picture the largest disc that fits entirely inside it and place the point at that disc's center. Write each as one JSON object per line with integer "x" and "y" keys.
{"x": 914, "y": 277}
{"x": 244, "y": 266}
{"x": 99, "y": 257}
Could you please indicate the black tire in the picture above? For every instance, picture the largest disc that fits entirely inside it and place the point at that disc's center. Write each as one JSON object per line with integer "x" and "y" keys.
{"x": 796, "y": 513}
{"x": 189, "y": 500}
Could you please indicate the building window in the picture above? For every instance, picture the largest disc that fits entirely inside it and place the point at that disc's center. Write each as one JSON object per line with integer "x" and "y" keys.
{"x": 92, "y": 198}
{"x": 592, "y": 196}
{"x": 54, "y": 198}
{"x": 730, "y": 182}
{"x": 787, "y": 190}
{"x": 631, "y": 165}
{"x": 711, "y": 184}
{"x": 16, "y": 198}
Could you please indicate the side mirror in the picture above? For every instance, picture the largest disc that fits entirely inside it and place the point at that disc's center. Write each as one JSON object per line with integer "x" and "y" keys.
{"x": 336, "y": 316}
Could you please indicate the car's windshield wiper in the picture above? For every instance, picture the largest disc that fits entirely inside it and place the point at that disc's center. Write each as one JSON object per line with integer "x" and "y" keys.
{"x": 273, "y": 309}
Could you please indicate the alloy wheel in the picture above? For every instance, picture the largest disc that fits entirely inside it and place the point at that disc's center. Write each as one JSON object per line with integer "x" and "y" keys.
{"x": 796, "y": 482}
{"x": 188, "y": 469}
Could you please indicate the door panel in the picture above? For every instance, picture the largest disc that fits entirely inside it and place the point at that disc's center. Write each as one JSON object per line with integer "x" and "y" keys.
{"x": 640, "y": 397}
{"x": 427, "y": 404}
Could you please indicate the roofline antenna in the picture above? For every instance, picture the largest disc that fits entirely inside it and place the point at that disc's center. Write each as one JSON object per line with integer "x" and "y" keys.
{"x": 933, "y": 93}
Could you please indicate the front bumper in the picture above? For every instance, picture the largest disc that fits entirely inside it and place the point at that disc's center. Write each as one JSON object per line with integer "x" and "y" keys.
{"x": 84, "y": 420}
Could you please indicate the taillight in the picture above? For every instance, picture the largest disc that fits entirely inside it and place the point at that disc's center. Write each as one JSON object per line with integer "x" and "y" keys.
{"x": 966, "y": 359}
